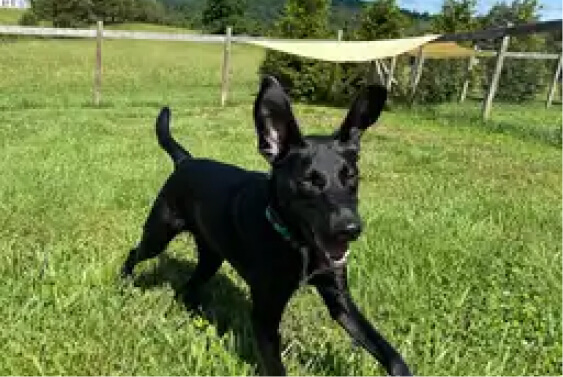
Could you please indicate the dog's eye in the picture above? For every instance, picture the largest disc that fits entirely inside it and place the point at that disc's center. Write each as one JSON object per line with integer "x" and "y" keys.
{"x": 316, "y": 180}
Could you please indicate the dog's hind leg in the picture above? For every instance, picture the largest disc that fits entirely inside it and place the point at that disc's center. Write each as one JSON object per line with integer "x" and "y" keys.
{"x": 160, "y": 228}
{"x": 207, "y": 265}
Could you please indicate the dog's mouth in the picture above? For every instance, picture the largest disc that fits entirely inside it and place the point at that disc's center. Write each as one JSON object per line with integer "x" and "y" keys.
{"x": 331, "y": 252}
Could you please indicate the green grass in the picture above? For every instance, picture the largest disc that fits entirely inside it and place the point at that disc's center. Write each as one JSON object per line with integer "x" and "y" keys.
{"x": 139, "y": 26}
{"x": 9, "y": 16}
{"x": 459, "y": 266}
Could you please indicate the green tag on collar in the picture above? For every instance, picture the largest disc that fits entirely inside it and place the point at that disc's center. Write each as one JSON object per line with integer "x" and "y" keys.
{"x": 276, "y": 224}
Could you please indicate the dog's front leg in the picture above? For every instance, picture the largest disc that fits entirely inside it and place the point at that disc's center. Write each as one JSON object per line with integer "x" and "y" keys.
{"x": 333, "y": 289}
{"x": 267, "y": 310}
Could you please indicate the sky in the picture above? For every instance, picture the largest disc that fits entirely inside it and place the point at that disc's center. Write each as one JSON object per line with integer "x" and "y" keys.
{"x": 551, "y": 8}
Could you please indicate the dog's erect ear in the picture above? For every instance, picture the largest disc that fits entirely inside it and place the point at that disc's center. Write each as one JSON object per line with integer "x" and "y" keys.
{"x": 276, "y": 127}
{"x": 365, "y": 110}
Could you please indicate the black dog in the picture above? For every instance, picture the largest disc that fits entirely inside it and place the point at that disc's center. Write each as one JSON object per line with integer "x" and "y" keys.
{"x": 278, "y": 231}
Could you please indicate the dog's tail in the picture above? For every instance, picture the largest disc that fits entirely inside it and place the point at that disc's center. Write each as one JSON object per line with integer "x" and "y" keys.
{"x": 165, "y": 140}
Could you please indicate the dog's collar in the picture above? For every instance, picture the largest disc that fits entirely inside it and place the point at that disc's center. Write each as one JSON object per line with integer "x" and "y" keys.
{"x": 278, "y": 224}
{"x": 281, "y": 228}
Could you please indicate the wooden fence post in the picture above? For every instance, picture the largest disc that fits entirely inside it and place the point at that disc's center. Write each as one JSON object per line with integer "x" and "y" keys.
{"x": 487, "y": 104}
{"x": 375, "y": 75}
{"x": 416, "y": 73}
{"x": 467, "y": 81}
{"x": 553, "y": 85}
{"x": 391, "y": 72}
{"x": 98, "y": 69}
{"x": 379, "y": 71}
{"x": 333, "y": 75}
{"x": 226, "y": 66}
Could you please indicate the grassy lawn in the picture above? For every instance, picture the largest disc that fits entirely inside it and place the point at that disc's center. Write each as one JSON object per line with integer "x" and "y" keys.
{"x": 459, "y": 266}
{"x": 10, "y": 16}
{"x": 140, "y": 26}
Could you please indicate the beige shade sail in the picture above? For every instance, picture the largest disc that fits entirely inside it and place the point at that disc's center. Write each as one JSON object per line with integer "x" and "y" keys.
{"x": 443, "y": 50}
{"x": 345, "y": 51}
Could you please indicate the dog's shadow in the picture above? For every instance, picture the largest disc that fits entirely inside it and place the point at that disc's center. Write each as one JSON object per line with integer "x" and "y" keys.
{"x": 223, "y": 304}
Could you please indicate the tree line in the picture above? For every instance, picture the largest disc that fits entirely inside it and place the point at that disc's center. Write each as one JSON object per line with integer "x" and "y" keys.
{"x": 253, "y": 17}
{"x": 304, "y": 19}
{"x": 441, "y": 79}
{"x": 80, "y": 13}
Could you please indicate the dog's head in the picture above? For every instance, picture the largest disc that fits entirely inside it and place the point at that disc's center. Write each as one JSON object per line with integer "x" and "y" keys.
{"x": 315, "y": 178}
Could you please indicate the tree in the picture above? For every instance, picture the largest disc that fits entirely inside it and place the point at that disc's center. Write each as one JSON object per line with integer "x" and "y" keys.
{"x": 187, "y": 13}
{"x": 304, "y": 19}
{"x": 303, "y": 78}
{"x": 442, "y": 79}
{"x": 64, "y": 13}
{"x": 382, "y": 19}
{"x": 109, "y": 11}
{"x": 78, "y": 13}
{"x": 456, "y": 16}
{"x": 520, "y": 80}
{"x": 419, "y": 23}
{"x": 218, "y": 14}
{"x": 43, "y": 9}
{"x": 151, "y": 11}
{"x": 29, "y": 18}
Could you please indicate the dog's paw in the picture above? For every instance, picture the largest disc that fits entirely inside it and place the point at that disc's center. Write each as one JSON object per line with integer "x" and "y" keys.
{"x": 399, "y": 368}
{"x": 124, "y": 282}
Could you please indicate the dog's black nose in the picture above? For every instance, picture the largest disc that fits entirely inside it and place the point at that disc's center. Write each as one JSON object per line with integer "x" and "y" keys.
{"x": 349, "y": 231}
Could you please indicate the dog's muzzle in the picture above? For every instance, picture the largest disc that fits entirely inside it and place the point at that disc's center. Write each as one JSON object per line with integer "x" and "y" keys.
{"x": 331, "y": 253}
{"x": 325, "y": 264}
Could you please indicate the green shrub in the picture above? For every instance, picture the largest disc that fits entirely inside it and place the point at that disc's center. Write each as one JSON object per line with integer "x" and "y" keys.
{"x": 219, "y": 14}
{"x": 382, "y": 19}
{"x": 304, "y": 79}
{"x": 29, "y": 18}
{"x": 379, "y": 20}
{"x": 442, "y": 79}
{"x": 520, "y": 80}
{"x": 80, "y": 13}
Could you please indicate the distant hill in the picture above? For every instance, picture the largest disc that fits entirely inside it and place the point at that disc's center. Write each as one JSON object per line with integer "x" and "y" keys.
{"x": 343, "y": 15}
